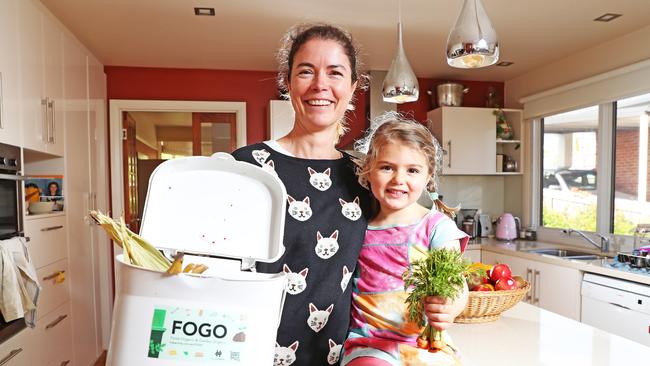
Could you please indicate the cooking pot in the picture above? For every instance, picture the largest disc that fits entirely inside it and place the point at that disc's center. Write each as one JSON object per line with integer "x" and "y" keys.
{"x": 449, "y": 94}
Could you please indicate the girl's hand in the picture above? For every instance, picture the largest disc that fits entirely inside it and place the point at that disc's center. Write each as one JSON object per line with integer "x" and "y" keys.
{"x": 441, "y": 311}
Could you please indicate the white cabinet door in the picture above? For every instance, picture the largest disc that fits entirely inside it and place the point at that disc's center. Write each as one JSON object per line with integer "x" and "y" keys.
{"x": 20, "y": 349}
{"x": 9, "y": 74}
{"x": 554, "y": 288}
{"x": 281, "y": 118}
{"x": 41, "y": 76}
{"x": 33, "y": 109}
{"x": 468, "y": 137}
{"x": 557, "y": 289}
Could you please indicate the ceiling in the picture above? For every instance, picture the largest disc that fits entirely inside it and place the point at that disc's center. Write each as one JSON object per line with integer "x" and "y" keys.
{"x": 244, "y": 34}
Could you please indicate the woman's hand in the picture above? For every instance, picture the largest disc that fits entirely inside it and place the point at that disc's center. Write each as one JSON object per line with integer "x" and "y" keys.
{"x": 442, "y": 311}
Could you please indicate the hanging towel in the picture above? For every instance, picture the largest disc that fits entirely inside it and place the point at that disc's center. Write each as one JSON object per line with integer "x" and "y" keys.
{"x": 20, "y": 288}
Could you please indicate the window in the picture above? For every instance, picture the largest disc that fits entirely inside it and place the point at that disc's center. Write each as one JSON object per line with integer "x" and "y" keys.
{"x": 631, "y": 177}
{"x": 569, "y": 157}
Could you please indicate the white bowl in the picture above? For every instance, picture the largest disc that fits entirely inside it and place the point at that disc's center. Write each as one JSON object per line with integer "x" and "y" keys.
{"x": 35, "y": 208}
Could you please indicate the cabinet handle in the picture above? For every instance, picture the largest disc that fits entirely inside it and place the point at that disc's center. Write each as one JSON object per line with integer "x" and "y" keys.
{"x": 56, "y": 322}
{"x": 51, "y": 129}
{"x": 65, "y": 363}
{"x": 537, "y": 286}
{"x": 449, "y": 153}
{"x": 45, "y": 122}
{"x": 52, "y": 228}
{"x": 53, "y": 275}
{"x": 11, "y": 355}
{"x": 529, "y": 279}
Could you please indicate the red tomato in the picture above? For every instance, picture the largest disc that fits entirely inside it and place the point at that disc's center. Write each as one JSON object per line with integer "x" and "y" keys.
{"x": 499, "y": 271}
{"x": 505, "y": 283}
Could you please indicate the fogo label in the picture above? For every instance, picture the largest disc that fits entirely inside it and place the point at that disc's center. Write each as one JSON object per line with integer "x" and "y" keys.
{"x": 197, "y": 335}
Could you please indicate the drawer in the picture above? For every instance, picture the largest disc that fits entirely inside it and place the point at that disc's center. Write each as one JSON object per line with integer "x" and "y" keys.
{"x": 55, "y": 337}
{"x": 19, "y": 350}
{"x": 54, "y": 287}
{"x": 47, "y": 240}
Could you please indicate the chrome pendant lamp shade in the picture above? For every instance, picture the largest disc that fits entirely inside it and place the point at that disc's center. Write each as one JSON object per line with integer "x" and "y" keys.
{"x": 472, "y": 43}
{"x": 400, "y": 84}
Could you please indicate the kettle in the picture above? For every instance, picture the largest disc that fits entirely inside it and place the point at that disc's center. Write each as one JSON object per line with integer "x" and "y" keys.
{"x": 507, "y": 227}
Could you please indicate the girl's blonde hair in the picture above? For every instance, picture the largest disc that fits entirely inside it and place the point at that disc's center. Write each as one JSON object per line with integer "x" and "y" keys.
{"x": 392, "y": 127}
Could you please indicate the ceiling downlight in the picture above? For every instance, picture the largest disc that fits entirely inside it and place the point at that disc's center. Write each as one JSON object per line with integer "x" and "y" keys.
{"x": 204, "y": 12}
{"x": 607, "y": 17}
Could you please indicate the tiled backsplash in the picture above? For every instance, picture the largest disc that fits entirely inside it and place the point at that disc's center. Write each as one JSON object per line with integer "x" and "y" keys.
{"x": 492, "y": 194}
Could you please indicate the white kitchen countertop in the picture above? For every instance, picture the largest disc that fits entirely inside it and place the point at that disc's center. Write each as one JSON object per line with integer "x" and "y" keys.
{"x": 527, "y": 336}
{"x": 519, "y": 248}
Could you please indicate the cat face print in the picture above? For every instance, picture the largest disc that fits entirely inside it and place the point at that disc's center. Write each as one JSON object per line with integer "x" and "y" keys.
{"x": 318, "y": 318}
{"x": 346, "y": 278}
{"x": 296, "y": 282}
{"x": 260, "y": 156}
{"x": 351, "y": 210}
{"x": 334, "y": 353}
{"x": 285, "y": 355}
{"x": 320, "y": 181}
{"x": 299, "y": 210}
{"x": 327, "y": 247}
{"x": 269, "y": 167}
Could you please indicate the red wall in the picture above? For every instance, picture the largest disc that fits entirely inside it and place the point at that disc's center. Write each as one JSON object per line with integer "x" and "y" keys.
{"x": 255, "y": 88}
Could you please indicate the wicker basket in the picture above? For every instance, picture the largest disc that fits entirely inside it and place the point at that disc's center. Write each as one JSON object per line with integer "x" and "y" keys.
{"x": 487, "y": 306}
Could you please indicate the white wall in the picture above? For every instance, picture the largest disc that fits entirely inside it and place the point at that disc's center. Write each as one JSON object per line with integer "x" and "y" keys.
{"x": 619, "y": 52}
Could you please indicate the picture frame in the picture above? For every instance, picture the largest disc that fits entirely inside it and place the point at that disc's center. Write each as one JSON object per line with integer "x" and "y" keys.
{"x": 45, "y": 188}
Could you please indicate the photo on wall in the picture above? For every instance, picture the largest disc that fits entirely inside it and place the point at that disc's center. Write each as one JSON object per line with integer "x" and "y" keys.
{"x": 45, "y": 189}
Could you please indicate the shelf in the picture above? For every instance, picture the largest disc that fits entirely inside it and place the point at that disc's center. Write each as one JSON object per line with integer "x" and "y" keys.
{"x": 499, "y": 141}
{"x": 44, "y": 215}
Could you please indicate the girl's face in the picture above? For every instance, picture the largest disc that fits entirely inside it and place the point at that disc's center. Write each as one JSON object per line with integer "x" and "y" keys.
{"x": 321, "y": 84}
{"x": 398, "y": 176}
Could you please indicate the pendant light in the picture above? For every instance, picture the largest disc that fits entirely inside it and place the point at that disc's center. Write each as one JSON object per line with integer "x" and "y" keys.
{"x": 400, "y": 84}
{"x": 472, "y": 43}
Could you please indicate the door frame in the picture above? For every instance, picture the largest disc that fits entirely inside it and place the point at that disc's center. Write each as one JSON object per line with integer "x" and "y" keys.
{"x": 119, "y": 106}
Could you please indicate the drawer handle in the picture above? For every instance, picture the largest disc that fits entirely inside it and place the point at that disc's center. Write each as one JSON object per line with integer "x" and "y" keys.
{"x": 65, "y": 363}
{"x": 54, "y": 276}
{"x": 52, "y": 228}
{"x": 11, "y": 355}
{"x": 57, "y": 321}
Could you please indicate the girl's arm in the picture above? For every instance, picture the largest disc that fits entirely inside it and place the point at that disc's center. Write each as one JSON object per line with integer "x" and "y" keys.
{"x": 441, "y": 311}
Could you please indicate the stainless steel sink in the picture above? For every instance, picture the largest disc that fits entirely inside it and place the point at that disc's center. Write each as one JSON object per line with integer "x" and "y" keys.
{"x": 567, "y": 254}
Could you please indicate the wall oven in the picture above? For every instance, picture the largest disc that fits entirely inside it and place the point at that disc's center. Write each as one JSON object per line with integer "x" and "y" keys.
{"x": 11, "y": 214}
{"x": 11, "y": 200}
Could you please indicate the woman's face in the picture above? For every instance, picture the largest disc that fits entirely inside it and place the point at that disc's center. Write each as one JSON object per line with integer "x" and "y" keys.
{"x": 53, "y": 189}
{"x": 321, "y": 84}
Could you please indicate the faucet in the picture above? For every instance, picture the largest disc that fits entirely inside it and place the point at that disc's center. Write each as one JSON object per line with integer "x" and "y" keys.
{"x": 604, "y": 241}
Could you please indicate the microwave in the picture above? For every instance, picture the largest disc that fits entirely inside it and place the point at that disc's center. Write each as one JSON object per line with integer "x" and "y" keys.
{"x": 11, "y": 197}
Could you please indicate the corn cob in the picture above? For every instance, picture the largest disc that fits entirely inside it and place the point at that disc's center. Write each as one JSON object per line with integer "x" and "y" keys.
{"x": 137, "y": 251}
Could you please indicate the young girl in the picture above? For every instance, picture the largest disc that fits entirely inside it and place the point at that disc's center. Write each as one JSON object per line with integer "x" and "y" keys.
{"x": 400, "y": 165}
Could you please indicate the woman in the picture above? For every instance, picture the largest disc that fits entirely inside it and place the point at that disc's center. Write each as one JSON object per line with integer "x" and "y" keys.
{"x": 327, "y": 208}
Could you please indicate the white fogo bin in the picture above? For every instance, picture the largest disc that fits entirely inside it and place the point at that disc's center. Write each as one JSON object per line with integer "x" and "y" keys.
{"x": 222, "y": 213}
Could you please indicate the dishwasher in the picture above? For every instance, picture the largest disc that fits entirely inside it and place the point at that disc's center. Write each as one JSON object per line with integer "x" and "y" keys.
{"x": 617, "y": 306}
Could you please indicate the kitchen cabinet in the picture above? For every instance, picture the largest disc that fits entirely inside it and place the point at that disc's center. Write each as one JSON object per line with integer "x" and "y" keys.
{"x": 52, "y": 338}
{"x": 41, "y": 78}
{"x": 83, "y": 151}
{"x": 9, "y": 76}
{"x": 469, "y": 141}
{"x": 553, "y": 288}
{"x": 19, "y": 350}
{"x": 281, "y": 118}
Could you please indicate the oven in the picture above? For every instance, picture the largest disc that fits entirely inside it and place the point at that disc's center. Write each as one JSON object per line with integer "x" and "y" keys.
{"x": 11, "y": 197}
{"x": 11, "y": 214}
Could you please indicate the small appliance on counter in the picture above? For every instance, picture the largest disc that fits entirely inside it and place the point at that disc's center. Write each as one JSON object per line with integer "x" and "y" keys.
{"x": 485, "y": 225}
{"x": 467, "y": 221}
{"x": 228, "y": 315}
{"x": 507, "y": 227}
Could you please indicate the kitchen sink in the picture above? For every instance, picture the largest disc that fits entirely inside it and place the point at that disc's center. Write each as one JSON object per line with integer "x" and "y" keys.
{"x": 567, "y": 254}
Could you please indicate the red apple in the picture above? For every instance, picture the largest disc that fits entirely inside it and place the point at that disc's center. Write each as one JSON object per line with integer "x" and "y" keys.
{"x": 474, "y": 279}
{"x": 484, "y": 287}
{"x": 505, "y": 283}
{"x": 499, "y": 271}
{"x": 520, "y": 281}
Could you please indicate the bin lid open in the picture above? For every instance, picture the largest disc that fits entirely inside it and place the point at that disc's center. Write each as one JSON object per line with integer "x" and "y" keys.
{"x": 215, "y": 206}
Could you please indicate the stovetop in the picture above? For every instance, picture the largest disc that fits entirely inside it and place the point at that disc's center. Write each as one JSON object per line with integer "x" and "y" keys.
{"x": 615, "y": 264}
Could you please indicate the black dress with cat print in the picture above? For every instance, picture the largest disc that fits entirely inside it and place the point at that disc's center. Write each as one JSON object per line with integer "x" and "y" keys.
{"x": 324, "y": 229}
